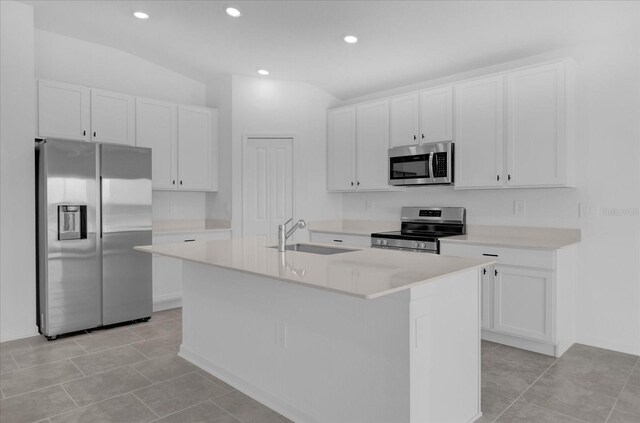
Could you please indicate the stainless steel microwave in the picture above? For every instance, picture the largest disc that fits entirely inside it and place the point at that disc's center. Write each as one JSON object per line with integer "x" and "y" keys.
{"x": 422, "y": 164}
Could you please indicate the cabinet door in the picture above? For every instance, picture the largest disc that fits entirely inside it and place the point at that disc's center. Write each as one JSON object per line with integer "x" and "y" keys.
{"x": 63, "y": 111}
{"x": 436, "y": 115}
{"x": 194, "y": 148}
{"x": 479, "y": 133}
{"x": 522, "y": 302}
{"x": 341, "y": 149}
{"x": 157, "y": 128}
{"x": 113, "y": 117}
{"x": 486, "y": 315}
{"x": 405, "y": 119}
{"x": 372, "y": 145}
{"x": 535, "y": 126}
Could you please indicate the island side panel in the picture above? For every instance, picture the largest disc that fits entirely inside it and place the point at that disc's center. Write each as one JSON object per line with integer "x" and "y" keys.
{"x": 312, "y": 355}
{"x": 445, "y": 349}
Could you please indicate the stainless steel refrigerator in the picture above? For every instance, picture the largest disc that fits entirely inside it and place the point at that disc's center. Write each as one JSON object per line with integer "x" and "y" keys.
{"x": 93, "y": 207}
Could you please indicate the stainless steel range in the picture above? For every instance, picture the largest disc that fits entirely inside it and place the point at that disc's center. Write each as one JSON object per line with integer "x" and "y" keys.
{"x": 421, "y": 229}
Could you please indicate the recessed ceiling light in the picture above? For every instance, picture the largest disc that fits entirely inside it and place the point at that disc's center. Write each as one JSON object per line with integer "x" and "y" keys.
{"x": 263, "y": 72}
{"x": 350, "y": 39}
{"x": 234, "y": 12}
{"x": 141, "y": 15}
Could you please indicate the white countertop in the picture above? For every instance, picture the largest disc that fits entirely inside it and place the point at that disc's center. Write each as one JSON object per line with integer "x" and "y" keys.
{"x": 517, "y": 236}
{"x": 352, "y": 227}
{"x": 366, "y": 273}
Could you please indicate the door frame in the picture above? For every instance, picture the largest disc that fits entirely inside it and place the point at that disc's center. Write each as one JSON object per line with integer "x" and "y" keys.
{"x": 262, "y": 136}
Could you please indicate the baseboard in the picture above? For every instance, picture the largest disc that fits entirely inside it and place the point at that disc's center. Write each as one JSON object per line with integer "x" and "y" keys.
{"x": 165, "y": 302}
{"x": 36, "y": 332}
{"x": 525, "y": 344}
{"x": 474, "y": 418}
{"x": 248, "y": 388}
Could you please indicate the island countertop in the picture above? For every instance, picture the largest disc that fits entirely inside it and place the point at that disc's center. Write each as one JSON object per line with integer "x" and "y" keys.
{"x": 365, "y": 273}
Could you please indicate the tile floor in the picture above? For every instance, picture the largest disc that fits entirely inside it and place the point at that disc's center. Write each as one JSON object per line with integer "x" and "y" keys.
{"x": 132, "y": 374}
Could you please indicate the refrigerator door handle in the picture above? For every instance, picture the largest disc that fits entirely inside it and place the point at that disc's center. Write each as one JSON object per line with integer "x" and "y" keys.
{"x": 100, "y": 205}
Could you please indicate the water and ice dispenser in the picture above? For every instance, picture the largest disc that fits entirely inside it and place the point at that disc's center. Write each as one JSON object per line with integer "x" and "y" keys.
{"x": 72, "y": 222}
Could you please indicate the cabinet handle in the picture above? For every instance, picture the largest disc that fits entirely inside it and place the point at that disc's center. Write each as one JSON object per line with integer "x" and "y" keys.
{"x": 173, "y": 182}
{"x": 180, "y": 182}
{"x": 489, "y": 255}
{"x": 495, "y": 272}
{"x": 497, "y": 177}
{"x": 358, "y": 183}
{"x": 84, "y": 133}
{"x": 422, "y": 136}
{"x": 351, "y": 183}
{"x": 415, "y": 137}
{"x": 337, "y": 240}
{"x": 508, "y": 177}
{"x": 94, "y": 133}
{"x": 189, "y": 240}
{"x": 484, "y": 271}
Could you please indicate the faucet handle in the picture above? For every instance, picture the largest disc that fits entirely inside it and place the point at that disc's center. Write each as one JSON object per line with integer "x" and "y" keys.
{"x": 284, "y": 225}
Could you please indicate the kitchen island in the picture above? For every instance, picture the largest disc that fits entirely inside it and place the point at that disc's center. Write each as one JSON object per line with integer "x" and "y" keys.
{"x": 364, "y": 335}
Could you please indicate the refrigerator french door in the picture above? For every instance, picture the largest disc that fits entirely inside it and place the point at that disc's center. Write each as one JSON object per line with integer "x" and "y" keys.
{"x": 93, "y": 207}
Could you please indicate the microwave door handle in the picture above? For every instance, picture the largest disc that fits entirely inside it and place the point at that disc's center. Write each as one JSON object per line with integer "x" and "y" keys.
{"x": 431, "y": 166}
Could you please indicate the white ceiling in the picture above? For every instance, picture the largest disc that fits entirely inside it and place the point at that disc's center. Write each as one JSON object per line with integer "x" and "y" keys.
{"x": 401, "y": 42}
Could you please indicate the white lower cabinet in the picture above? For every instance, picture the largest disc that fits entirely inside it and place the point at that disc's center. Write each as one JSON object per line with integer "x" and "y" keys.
{"x": 340, "y": 239}
{"x": 527, "y": 296}
{"x": 167, "y": 271}
{"x": 522, "y": 302}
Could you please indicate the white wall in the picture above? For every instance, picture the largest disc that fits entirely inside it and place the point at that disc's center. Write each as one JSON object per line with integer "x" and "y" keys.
{"x": 608, "y": 151}
{"x": 66, "y": 59}
{"x": 266, "y": 106}
{"x": 17, "y": 176}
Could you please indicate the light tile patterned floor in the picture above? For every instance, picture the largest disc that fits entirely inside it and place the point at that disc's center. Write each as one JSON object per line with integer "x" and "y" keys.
{"x": 133, "y": 374}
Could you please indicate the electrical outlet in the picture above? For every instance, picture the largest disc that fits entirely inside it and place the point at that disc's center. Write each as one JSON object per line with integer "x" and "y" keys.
{"x": 518, "y": 207}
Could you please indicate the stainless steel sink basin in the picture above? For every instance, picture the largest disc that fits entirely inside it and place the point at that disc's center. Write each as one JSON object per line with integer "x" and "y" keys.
{"x": 316, "y": 249}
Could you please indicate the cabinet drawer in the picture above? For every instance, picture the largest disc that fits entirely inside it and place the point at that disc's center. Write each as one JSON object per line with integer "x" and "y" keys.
{"x": 190, "y": 236}
{"x": 341, "y": 239}
{"x": 541, "y": 259}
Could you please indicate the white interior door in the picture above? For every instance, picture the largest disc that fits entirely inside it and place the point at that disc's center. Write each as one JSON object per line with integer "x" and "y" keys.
{"x": 267, "y": 186}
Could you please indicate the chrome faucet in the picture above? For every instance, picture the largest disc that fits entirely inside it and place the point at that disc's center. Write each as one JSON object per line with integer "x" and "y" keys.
{"x": 283, "y": 234}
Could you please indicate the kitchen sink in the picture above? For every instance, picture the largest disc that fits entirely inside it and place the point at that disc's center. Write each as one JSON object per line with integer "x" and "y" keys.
{"x": 316, "y": 249}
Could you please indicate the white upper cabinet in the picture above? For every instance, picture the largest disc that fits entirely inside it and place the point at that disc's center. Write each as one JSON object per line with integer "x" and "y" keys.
{"x": 536, "y": 145}
{"x": 183, "y": 139}
{"x": 63, "y": 111}
{"x": 341, "y": 149}
{"x": 404, "y": 119}
{"x": 112, "y": 117}
{"x": 436, "y": 115}
{"x": 195, "y": 153}
{"x": 157, "y": 128}
{"x": 479, "y": 148}
{"x": 372, "y": 145}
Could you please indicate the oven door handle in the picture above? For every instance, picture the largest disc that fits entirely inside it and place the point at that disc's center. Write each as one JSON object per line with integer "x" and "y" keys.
{"x": 431, "y": 167}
